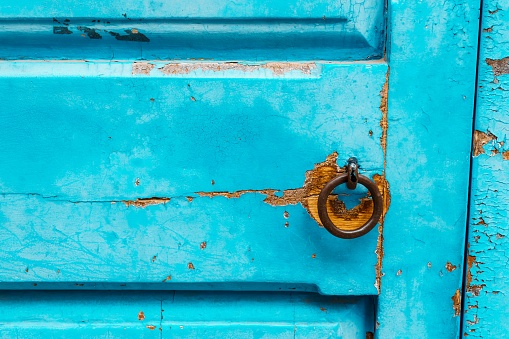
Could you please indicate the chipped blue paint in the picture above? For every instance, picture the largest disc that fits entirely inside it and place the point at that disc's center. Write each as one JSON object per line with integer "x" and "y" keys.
{"x": 122, "y": 171}
{"x": 486, "y": 290}
{"x": 205, "y": 29}
{"x": 433, "y": 49}
{"x": 183, "y": 314}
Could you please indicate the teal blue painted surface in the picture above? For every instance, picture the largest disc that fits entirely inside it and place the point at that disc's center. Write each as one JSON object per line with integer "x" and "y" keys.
{"x": 81, "y": 149}
{"x": 486, "y": 290}
{"x": 433, "y": 51}
{"x": 183, "y": 315}
{"x": 209, "y": 29}
{"x": 226, "y": 151}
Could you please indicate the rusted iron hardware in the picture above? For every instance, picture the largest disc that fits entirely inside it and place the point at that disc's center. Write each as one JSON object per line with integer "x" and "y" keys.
{"x": 351, "y": 177}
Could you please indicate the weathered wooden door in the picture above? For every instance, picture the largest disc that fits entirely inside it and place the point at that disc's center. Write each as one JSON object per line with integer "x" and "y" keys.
{"x": 162, "y": 163}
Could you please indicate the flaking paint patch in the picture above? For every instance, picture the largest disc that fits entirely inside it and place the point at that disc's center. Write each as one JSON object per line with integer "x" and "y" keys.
{"x": 382, "y": 182}
{"x": 142, "y": 68}
{"x": 277, "y": 68}
{"x": 144, "y": 202}
{"x": 456, "y": 303}
{"x": 450, "y": 267}
{"x": 499, "y": 66}
{"x": 307, "y": 195}
{"x": 470, "y": 262}
{"x": 480, "y": 140}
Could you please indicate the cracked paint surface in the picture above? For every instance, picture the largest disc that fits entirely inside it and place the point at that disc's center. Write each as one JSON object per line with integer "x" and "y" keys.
{"x": 202, "y": 172}
{"x": 433, "y": 56}
{"x": 486, "y": 297}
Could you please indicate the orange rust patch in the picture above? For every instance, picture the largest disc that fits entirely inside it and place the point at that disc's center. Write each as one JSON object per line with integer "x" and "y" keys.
{"x": 151, "y": 327}
{"x": 190, "y": 266}
{"x": 168, "y": 278}
{"x": 450, "y": 267}
{"x": 141, "y": 315}
{"x": 381, "y": 181}
{"x": 456, "y": 303}
{"x": 277, "y": 68}
{"x": 203, "y": 245}
{"x": 470, "y": 262}
{"x": 313, "y": 256}
{"x": 235, "y": 194}
{"x": 144, "y": 202}
{"x": 142, "y": 68}
{"x": 505, "y": 155}
{"x": 499, "y": 66}
{"x": 480, "y": 140}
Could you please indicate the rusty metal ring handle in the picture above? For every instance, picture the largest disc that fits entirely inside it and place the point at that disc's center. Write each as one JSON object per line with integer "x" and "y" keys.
{"x": 364, "y": 229}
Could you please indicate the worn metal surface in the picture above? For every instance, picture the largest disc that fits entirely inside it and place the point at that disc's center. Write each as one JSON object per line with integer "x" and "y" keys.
{"x": 432, "y": 62}
{"x": 487, "y": 300}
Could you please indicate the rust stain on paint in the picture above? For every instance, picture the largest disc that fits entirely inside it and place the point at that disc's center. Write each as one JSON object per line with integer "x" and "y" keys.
{"x": 307, "y": 196}
{"x": 151, "y": 327}
{"x": 382, "y": 182}
{"x": 277, "y": 68}
{"x": 470, "y": 263}
{"x": 450, "y": 267}
{"x": 499, "y": 66}
{"x": 141, "y": 315}
{"x": 144, "y": 202}
{"x": 456, "y": 303}
{"x": 505, "y": 155}
{"x": 142, "y": 68}
{"x": 480, "y": 140}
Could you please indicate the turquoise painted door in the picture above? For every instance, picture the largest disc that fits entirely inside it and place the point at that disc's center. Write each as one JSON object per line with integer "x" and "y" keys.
{"x": 162, "y": 164}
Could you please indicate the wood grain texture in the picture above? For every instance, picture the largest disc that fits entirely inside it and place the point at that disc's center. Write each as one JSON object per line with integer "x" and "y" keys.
{"x": 486, "y": 298}
{"x": 432, "y": 58}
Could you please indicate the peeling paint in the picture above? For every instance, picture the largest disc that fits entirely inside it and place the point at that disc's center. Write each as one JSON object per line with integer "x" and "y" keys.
{"x": 277, "y": 68}
{"x": 90, "y": 32}
{"x": 61, "y": 30}
{"x": 480, "y": 140}
{"x": 450, "y": 267}
{"x": 142, "y": 68}
{"x": 307, "y": 196}
{"x": 141, "y": 315}
{"x": 499, "y": 66}
{"x": 144, "y": 202}
{"x": 132, "y": 35}
{"x": 470, "y": 262}
{"x": 382, "y": 182}
{"x": 456, "y": 303}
